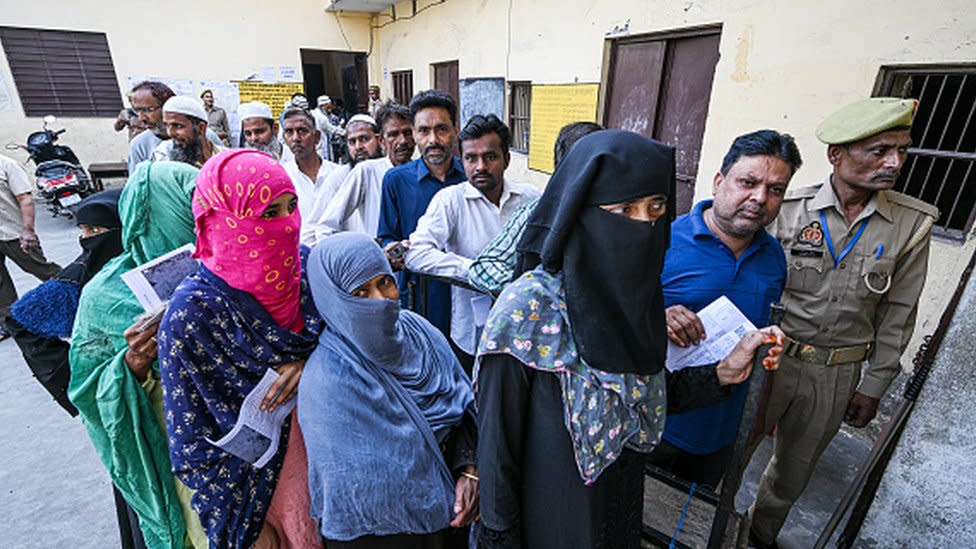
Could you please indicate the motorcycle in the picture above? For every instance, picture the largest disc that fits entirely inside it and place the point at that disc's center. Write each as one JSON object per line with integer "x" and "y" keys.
{"x": 61, "y": 181}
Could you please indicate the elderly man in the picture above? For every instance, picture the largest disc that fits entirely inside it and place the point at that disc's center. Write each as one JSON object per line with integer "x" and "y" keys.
{"x": 718, "y": 249}
{"x": 330, "y": 125}
{"x": 308, "y": 171}
{"x": 18, "y": 241}
{"x": 462, "y": 218}
{"x": 356, "y": 205}
{"x": 362, "y": 144}
{"x": 259, "y": 130}
{"x": 858, "y": 254}
{"x": 186, "y": 125}
{"x": 216, "y": 117}
{"x": 408, "y": 188}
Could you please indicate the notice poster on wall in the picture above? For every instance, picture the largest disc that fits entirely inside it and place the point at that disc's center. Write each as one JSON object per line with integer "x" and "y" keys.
{"x": 481, "y": 96}
{"x": 554, "y": 106}
{"x": 274, "y": 95}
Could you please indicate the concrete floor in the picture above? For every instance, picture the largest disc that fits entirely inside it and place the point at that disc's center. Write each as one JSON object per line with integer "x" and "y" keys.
{"x": 54, "y": 492}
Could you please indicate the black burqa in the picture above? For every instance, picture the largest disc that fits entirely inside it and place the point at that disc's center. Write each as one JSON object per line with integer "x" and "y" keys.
{"x": 531, "y": 491}
{"x": 42, "y": 318}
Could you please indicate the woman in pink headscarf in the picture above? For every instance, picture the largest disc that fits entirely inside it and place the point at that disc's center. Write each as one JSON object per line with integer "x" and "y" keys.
{"x": 245, "y": 311}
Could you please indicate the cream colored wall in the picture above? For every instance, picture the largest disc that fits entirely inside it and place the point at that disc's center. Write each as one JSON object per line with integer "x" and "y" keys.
{"x": 783, "y": 65}
{"x": 211, "y": 40}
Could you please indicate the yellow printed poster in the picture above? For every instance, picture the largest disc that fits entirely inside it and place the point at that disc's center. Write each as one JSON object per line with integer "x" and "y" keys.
{"x": 554, "y": 106}
{"x": 274, "y": 94}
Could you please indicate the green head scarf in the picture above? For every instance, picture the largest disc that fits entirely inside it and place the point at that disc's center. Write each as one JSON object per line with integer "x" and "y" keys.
{"x": 118, "y": 411}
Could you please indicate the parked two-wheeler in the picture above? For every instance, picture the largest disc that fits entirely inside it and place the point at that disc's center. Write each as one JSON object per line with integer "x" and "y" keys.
{"x": 61, "y": 181}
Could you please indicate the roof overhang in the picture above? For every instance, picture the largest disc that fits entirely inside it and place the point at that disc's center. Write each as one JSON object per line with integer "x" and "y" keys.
{"x": 368, "y": 6}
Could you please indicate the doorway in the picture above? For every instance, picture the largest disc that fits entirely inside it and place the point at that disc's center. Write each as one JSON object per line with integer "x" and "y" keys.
{"x": 659, "y": 86}
{"x": 446, "y": 79}
{"x": 338, "y": 74}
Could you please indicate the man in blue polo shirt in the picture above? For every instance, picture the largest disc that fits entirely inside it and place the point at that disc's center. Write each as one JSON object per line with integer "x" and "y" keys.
{"x": 408, "y": 188}
{"x": 721, "y": 248}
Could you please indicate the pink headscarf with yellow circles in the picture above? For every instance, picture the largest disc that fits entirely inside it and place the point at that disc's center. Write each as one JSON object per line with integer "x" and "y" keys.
{"x": 257, "y": 255}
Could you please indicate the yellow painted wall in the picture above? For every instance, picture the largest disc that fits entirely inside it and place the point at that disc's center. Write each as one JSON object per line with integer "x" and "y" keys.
{"x": 783, "y": 65}
{"x": 209, "y": 40}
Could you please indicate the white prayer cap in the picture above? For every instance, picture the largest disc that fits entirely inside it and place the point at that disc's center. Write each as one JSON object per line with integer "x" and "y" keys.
{"x": 254, "y": 109}
{"x": 323, "y": 100}
{"x": 185, "y": 105}
{"x": 361, "y": 118}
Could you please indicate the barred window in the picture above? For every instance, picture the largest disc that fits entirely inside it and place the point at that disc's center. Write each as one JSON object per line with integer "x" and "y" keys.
{"x": 940, "y": 167}
{"x": 520, "y": 99}
{"x": 64, "y": 73}
{"x": 403, "y": 86}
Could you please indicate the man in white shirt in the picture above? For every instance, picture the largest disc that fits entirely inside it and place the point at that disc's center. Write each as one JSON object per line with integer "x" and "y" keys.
{"x": 307, "y": 170}
{"x": 362, "y": 144}
{"x": 186, "y": 125}
{"x": 463, "y": 218}
{"x": 356, "y": 205}
{"x": 259, "y": 130}
{"x": 329, "y": 125}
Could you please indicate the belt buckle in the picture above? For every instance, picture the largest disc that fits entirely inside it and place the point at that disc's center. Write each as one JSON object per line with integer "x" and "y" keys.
{"x": 807, "y": 353}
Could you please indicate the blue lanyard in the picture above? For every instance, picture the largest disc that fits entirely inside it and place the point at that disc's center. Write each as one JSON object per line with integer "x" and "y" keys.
{"x": 830, "y": 242}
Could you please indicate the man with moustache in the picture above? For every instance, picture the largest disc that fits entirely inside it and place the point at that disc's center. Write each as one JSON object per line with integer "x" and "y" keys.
{"x": 356, "y": 205}
{"x": 858, "y": 254}
{"x": 362, "y": 144}
{"x": 186, "y": 125}
{"x": 259, "y": 130}
{"x": 462, "y": 218}
{"x": 408, "y": 188}
{"x": 718, "y": 249}
{"x": 147, "y": 100}
{"x": 308, "y": 171}
{"x": 216, "y": 117}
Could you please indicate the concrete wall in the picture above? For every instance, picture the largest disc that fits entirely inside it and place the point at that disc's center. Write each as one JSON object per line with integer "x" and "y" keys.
{"x": 783, "y": 65}
{"x": 186, "y": 39}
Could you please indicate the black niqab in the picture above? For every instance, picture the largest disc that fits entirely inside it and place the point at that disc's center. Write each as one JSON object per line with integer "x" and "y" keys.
{"x": 98, "y": 210}
{"x": 611, "y": 264}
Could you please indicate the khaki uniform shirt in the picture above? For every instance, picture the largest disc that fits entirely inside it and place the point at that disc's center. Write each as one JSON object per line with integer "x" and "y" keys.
{"x": 872, "y": 294}
{"x": 217, "y": 121}
{"x": 13, "y": 182}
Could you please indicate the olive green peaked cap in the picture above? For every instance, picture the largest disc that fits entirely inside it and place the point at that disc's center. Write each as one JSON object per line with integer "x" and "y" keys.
{"x": 866, "y": 118}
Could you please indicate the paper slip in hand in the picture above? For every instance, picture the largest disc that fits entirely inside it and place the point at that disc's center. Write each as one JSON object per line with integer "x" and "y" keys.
{"x": 724, "y": 325}
{"x": 154, "y": 282}
{"x": 256, "y": 434}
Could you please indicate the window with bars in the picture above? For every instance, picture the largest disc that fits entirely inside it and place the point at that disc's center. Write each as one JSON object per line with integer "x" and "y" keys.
{"x": 520, "y": 101}
{"x": 64, "y": 73}
{"x": 403, "y": 86}
{"x": 941, "y": 165}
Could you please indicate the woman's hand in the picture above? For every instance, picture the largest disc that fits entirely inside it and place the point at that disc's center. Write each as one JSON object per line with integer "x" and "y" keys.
{"x": 736, "y": 367}
{"x": 466, "y": 505}
{"x": 285, "y": 387}
{"x": 142, "y": 349}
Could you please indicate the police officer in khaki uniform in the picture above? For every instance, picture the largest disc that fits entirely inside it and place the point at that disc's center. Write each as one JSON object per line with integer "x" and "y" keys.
{"x": 857, "y": 254}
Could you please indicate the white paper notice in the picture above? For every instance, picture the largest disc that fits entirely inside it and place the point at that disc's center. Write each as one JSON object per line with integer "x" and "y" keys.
{"x": 724, "y": 325}
{"x": 268, "y": 74}
{"x": 255, "y": 436}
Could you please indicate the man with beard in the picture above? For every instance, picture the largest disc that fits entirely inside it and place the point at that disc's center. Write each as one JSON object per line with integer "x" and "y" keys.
{"x": 362, "y": 143}
{"x": 147, "y": 100}
{"x": 259, "y": 130}
{"x": 307, "y": 170}
{"x": 462, "y": 218}
{"x": 858, "y": 257}
{"x": 330, "y": 126}
{"x": 408, "y": 188}
{"x": 718, "y": 249}
{"x": 186, "y": 125}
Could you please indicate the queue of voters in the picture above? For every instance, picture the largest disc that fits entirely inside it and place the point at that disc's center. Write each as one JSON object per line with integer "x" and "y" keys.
{"x": 454, "y": 358}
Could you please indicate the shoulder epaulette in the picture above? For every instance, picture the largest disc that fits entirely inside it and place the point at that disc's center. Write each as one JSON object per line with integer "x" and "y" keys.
{"x": 913, "y": 203}
{"x": 807, "y": 191}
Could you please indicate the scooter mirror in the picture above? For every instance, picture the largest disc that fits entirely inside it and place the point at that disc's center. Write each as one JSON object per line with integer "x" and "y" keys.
{"x": 50, "y": 119}
{"x": 12, "y": 146}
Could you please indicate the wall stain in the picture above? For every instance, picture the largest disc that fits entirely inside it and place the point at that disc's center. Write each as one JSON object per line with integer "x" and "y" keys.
{"x": 741, "y": 73}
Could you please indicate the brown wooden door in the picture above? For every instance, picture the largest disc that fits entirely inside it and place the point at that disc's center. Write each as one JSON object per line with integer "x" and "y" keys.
{"x": 660, "y": 87}
{"x": 446, "y": 78}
